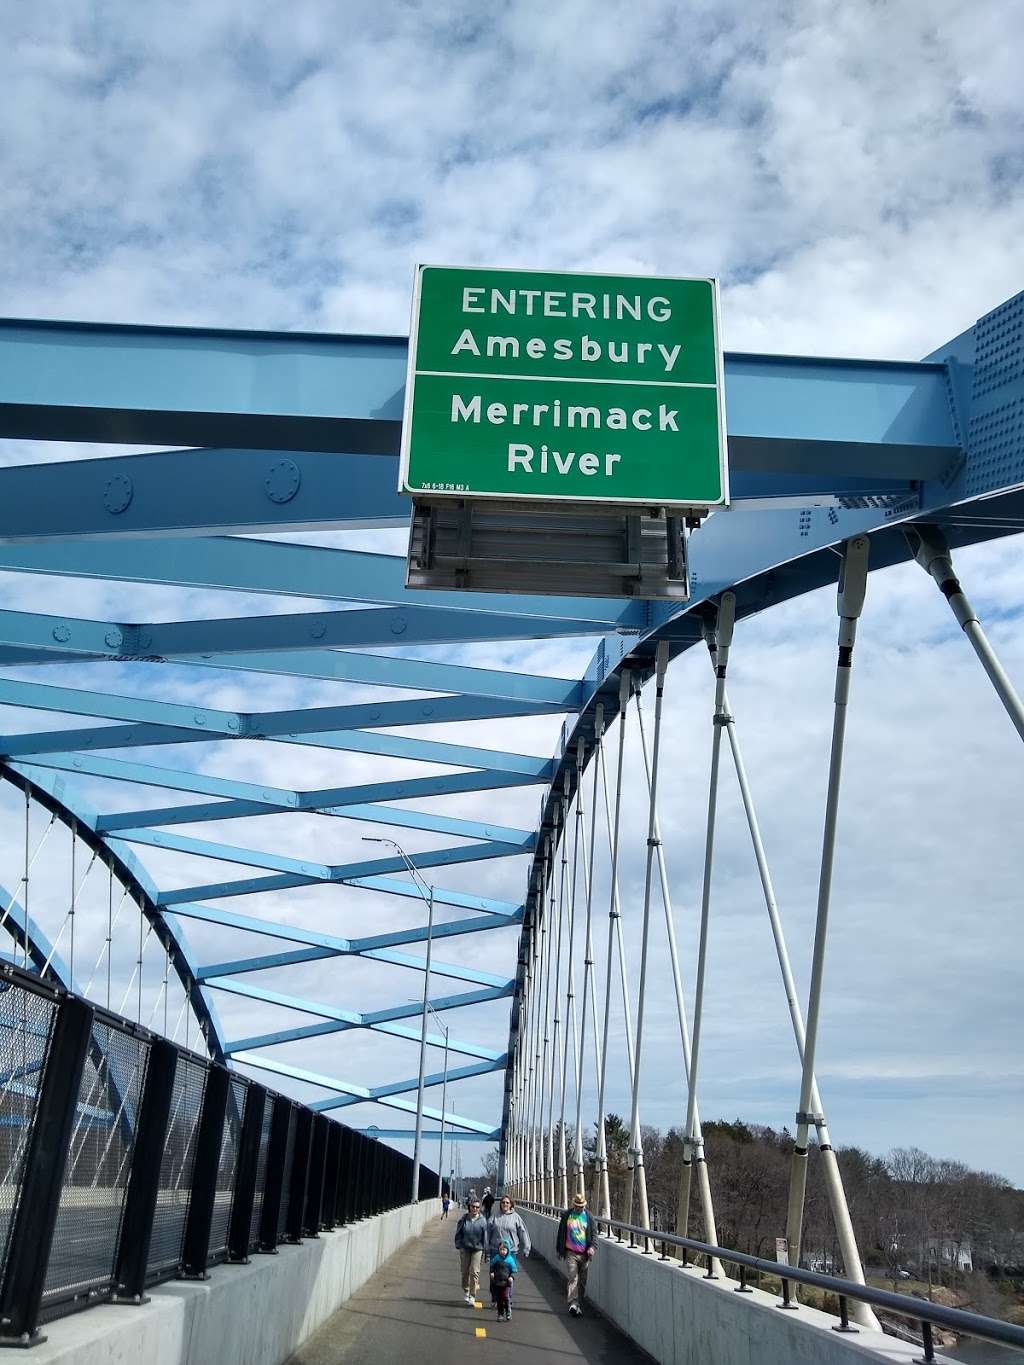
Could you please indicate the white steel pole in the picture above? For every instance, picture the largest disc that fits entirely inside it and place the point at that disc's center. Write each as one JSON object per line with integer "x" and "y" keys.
{"x": 636, "y": 1138}
{"x": 539, "y": 1026}
{"x": 931, "y": 551}
{"x": 613, "y": 919}
{"x": 556, "y": 1017}
{"x": 704, "y": 1184}
{"x": 570, "y": 997}
{"x": 852, "y": 586}
{"x": 444, "y": 1097}
{"x": 846, "y": 1237}
{"x": 693, "y": 1149}
{"x": 588, "y": 992}
{"x": 417, "y": 1141}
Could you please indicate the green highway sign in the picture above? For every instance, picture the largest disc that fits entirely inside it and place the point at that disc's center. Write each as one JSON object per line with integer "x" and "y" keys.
{"x": 565, "y": 387}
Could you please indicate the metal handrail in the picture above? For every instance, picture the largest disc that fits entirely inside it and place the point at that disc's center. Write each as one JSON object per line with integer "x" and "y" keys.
{"x": 927, "y": 1314}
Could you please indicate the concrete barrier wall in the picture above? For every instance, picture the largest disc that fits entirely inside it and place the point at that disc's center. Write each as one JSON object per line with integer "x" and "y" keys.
{"x": 255, "y": 1314}
{"x": 680, "y": 1318}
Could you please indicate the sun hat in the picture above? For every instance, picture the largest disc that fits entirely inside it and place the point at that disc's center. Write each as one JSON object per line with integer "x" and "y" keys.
{"x": 579, "y": 1201}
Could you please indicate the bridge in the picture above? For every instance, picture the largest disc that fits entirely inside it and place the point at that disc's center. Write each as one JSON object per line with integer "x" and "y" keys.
{"x": 175, "y": 977}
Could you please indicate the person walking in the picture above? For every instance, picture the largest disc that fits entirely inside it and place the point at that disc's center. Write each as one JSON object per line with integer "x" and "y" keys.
{"x": 504, "y": 1270}
{"x": 487, "y": 1203}
{"x": 446, "y": 1204}
{"x": 574, "y": 1243}
{"x": 470, "y": 1242}
{"x": 505, "y": 1225}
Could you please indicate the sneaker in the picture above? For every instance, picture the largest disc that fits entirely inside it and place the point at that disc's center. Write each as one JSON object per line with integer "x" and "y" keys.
{"x": 467, "y": 1296}
{"x": 574, "y": 1310}
{"x": 508, "y": 1314}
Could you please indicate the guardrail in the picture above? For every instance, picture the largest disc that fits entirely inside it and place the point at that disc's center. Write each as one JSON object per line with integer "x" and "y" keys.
{"x": 126, "y": 1160}
{"x": 928, "y": 1315}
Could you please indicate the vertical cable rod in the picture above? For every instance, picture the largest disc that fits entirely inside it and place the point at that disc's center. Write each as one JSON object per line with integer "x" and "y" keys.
{"x": 556, "y": 1025}
{"x": 852, "y": 588}
{"x": 589, "y": 993}
{"x": 572, "y": 1027}
{"x": 545, "y": 1054}
{"x": 638, "y": 1176}
{"x": 931, "y": 550}
{"x": 833, "y": 1177}
{"x": 703, "y": 1181}
{"x": 693, "y": 1141}
{"x": 613, "y": 921}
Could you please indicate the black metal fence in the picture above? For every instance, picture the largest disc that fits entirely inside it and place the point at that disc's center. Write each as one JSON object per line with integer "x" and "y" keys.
{"x": 126, "y": 1160}
{"x": 929, "y": 1315}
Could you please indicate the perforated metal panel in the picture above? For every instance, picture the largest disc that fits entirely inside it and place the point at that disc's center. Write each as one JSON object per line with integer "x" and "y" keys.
{"x": 286, "y": 1176}
{"x": 176, "y": 1168}
{"x": 81, "y": 1265}
{"x": 226, "y": 1169}
{"x": 996, "y": 433}
{"x": 26, "y": 1022}
{"x": 261, "y": 1173}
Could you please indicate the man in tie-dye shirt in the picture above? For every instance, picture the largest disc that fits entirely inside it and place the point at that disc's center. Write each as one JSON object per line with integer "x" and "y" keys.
{"x": 574, "y": 1244}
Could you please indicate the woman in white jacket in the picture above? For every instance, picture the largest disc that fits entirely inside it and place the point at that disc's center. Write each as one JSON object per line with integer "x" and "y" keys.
{"x": 505, "y": 1225}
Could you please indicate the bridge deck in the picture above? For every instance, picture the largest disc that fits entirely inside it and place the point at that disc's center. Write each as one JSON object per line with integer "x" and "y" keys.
{"x": 412, "y": 1310}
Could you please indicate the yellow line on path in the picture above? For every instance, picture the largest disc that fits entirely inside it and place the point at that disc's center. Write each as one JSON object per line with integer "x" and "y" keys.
{"x": 477, "y": 1303}
{"x": 481, "y": 1331}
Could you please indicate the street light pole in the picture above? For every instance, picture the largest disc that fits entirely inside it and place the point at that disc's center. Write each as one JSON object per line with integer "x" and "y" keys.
{"x": 429, "y": 898}
{"x": 444, "y": 1093}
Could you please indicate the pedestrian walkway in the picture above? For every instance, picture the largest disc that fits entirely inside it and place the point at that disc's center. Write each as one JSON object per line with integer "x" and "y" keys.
{"x": 412, "y": 1311}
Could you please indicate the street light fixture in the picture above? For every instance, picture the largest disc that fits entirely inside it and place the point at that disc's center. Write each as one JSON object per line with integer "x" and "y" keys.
{"x": 427, "y": 892}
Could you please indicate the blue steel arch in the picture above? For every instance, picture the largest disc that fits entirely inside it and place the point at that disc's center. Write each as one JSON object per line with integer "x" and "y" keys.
{"x": 71, "y": 811}
{"x": 820, "y": 450}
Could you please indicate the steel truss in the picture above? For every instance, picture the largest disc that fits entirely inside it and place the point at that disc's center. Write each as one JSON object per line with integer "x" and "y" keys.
{"x": 822, "y": 451}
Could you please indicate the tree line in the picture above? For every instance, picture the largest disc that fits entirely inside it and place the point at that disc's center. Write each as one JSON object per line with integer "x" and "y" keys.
{"x": 933, "y": 1219}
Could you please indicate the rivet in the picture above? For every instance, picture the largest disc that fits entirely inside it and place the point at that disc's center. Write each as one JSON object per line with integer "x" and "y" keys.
{"x": 318, "y": 630}
{"x": 398, "y": 626}
{"x": 62, "y": 633}
{"x": 199, "y": 717}
{"x": 112, "y": 639}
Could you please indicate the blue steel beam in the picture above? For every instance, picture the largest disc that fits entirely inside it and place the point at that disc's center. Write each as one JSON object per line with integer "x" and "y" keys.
{"x": 266, "y": 724}
{"x": 341, "y": 1087}
{"x": 363, "y": 627}
{"x": 306, "y": 873}
{"x": 244, "y": 491}
{"x": 302, "y": 392}
{"x": 374, "y": 946}
{"x": 405, "y": 886}
{"x": 379, "y": 1021}
{"x": 292, "y": 933}
{"x": 266, "y": 962}
{"x": 459, "y": 1073}
{"x": 327, "y": 1026}
{"x": 374, "y": 814}
{"x": 175, "y": 385}
{"x": 282, "y": 569}
{"x": 349, "y": 741}
{"x": 246, "y": 798}
{"x": 520, "y": 841}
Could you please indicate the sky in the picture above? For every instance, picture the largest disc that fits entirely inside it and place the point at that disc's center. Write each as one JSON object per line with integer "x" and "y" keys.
{"x": 853, "y": 174}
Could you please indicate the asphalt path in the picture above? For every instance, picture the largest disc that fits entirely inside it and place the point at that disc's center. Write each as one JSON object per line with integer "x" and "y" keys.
{"x": 413, "y": 1311}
